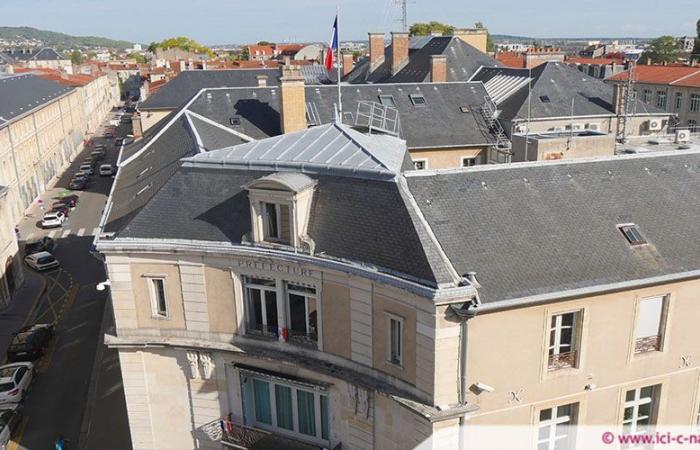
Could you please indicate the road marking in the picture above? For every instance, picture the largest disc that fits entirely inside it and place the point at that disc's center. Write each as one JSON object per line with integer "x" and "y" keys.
{"x": 14, "y": 443}
{"x": 95, "y": 231}
{"x": 81, "y": 231}
{"x": 52, "y": 234}
{"x": 65, "y": 234}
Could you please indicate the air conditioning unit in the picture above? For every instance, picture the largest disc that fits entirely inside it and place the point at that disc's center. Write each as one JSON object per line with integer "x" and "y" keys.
{"x": 682, "y": 136}
{"x": 520, "y": 128}
{"x": 654, "y": 125}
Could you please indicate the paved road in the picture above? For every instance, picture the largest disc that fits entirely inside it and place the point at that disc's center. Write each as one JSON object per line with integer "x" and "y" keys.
{"x": 63, "y": 400}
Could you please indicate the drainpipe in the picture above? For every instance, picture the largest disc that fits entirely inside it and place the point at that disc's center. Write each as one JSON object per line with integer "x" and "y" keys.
{"x": 464, "y": 312}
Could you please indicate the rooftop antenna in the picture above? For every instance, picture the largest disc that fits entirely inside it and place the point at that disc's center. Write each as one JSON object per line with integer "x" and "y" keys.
{"x": 404, "y": 13}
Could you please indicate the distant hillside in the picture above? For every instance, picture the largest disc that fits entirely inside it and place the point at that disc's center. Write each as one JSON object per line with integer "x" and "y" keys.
{"x": 60, "y": 41}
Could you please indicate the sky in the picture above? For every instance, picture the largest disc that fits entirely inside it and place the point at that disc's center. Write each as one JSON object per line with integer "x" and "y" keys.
{"x": 244, "y": 21}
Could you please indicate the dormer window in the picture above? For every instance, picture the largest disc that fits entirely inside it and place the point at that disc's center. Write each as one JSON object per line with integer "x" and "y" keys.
{"x": 280, "y": 206}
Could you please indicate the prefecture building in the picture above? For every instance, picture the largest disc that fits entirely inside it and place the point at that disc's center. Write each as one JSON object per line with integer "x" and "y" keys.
{"x": 311, "y": 289}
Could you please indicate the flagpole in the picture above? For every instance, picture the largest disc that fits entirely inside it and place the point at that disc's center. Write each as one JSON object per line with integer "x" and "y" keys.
{"x": 337, "y": 64}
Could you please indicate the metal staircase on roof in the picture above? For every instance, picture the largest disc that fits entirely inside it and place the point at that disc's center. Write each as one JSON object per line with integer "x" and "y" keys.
{"x": 489, "y": 112}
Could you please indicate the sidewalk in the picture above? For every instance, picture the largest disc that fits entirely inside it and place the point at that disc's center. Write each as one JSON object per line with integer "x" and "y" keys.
{"x": 24, "y": 298}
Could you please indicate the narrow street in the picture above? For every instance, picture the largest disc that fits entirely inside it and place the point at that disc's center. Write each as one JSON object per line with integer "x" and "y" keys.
{"x": 78, "y": 386}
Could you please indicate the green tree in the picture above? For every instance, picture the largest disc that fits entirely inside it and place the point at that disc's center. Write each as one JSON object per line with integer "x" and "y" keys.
{"x": 138, "y": 57}
{"x": 266, "y": 43}
{"x": 245, "y": 54}
{"x": 696, "y": 47}
{"x": 183, "y": 43}
{"x": 664, "y": 49}
{"x": 425, "y": 29}
{"x": 76, "y": 57}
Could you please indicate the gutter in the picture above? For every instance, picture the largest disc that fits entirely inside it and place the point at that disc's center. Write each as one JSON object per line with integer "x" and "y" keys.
{"x": 571, "y": 294}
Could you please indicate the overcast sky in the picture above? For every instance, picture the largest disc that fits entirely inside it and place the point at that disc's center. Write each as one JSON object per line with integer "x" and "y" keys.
{"x": 241, "y": 21}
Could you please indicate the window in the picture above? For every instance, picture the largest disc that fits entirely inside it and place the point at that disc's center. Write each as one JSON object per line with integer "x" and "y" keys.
{"x": 286, "y": 408}
{"x": 159, "y": 301}
{"x": 563, "y": 331}
{"x": 646, "y": 95}
{"x": 679, "y": 100}
{"x": 649, "y": 331}
{"x": 395, "y": 354}
{"x": 464, "y": 109}
{"x": 303, "y": 314}
{"x": 420, "y": 164}
{"x": 694, "y": 103}
{"x": 556, "y": 427}
{"x": 234, "y": 121}
{"x": 417, "y": 99}
{"x": 468, "y": 161}
{"x": 692, "y": 125}
{"x": 639, "y": 411}
{"x": 387, "y": 100}
{"x": 632, "y": 234}
{"x": 661, "y": 99}
{"x": 276, "y": 222}
{"x": 545, "y": 99}
{"x": 261, "y": 306}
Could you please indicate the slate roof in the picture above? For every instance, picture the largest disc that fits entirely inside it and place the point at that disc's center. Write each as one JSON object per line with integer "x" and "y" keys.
{"x": 533, "y": 228}
{"x": 184, "y": 86}
{"x": 36, "y": 54}
{"x": 145, "y": 165}
{"x": 440, "y": 122}
{"x": 22, "y": 93}
{"x": 560, "y": 83}
{"x": 463, "y": 60}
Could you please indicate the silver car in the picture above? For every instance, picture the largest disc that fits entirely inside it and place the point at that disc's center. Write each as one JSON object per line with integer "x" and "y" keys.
{"x": 15, "y": 381}
{"x": 41, "y": 261}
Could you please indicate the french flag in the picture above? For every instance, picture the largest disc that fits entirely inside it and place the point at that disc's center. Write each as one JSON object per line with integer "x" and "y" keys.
{"x": 332, "y": 46}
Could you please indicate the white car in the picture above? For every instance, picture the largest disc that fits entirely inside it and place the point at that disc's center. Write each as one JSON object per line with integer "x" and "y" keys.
{"x": 15, "y": 381}
{"x": 86, "y": 168}
{"x": 106, "y": 170}
{"x": 52, "y": 220}
{"x": 41, "y": 261}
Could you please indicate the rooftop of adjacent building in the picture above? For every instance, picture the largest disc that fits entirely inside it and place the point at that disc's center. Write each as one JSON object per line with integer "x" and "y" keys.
{"x": 23, "y": 93}
{"x": 673, "y": 75}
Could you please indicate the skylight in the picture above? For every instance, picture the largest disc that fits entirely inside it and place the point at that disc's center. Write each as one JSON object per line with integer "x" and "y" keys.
{"x": 387, "y": 100}
{"x": 545, "y": 99}
{"x": 234, "y": 121}
{"x": 417, "y": 99}
{"x": 631, "y": 232}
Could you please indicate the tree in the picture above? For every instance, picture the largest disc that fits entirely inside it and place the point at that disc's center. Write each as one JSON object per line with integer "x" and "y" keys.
{"x": 267, "y": 43}
{"x": 76, "y": 58}
{"x": 138, "y": 57}
{"x": 664, "y": 49}
{"x": 181, "y": 42}
{"x": 696, "y": 47}
{"x": 489, "y": 43}
{"x": 426, "y": 29}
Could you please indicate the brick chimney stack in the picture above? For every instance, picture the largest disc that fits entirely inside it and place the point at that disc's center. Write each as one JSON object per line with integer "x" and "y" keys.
{"x": 376, "y": 50}
{"x": 399, "y": 54}
{"x": 293, "y": 98}
{"x": 348, "y": 61}
{"x": 262, "y": 80}
{"x": 438, "y": 68}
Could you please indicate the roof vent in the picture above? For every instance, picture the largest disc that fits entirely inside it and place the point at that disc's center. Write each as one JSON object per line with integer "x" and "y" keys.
{"x": 631, "y": 232}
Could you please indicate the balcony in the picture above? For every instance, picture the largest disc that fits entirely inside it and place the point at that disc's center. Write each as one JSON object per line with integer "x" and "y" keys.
{"x": 258, "y": 329}
{"x": 647, "y": 344}
{"x": 303, "y": 338}
{"x": 562, "y": 361}
{"x": 249, "y": 438}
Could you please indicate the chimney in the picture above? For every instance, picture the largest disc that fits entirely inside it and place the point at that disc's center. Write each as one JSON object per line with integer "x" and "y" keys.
{"x": 293, "y": 100}
{"x": 262, "y": 80}
{"x": 438, "y": 68}
{"x": 348, "y": 61}
{"x": 476, "y": 37}
{"x": 399, "y": 53}
{"x": 376, "y": 50}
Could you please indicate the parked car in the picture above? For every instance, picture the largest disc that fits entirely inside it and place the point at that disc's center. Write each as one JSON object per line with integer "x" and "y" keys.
{"x": 71, "y": 201}
{"x": 15, "y": 381}
{"x": 10, "y": 418}
{"x": 53, "y": 220}
{"x": 86, "y": 168}
{"x": 44, "y": 244}
{"x": 119, "y": 142}
{"x": 61, "y": 208}
{"x": 41, "y": 261}
{"x": 78, "y": 184}
{"x": 30, "y": 342}
{"x": 97, "y": 155}
{"x": 106, "y": 170}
